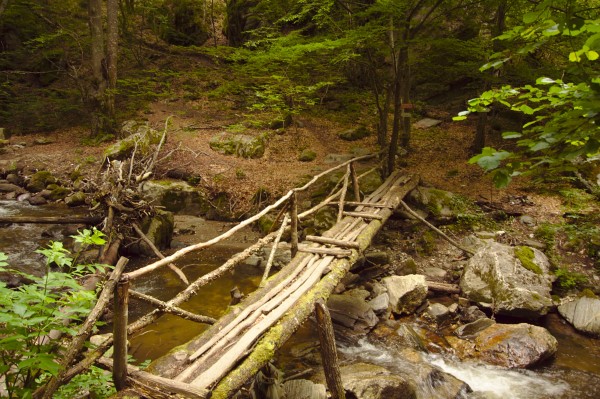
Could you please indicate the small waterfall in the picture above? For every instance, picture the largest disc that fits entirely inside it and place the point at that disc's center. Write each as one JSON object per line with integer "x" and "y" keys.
{"x": 491, "y": 382}
{"x": 487, "y": 382}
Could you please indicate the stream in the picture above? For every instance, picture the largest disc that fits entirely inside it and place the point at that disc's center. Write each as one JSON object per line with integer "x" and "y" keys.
{"x": 573, "y": 374}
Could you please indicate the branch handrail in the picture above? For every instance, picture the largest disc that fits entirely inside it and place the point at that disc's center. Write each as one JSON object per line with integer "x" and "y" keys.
{"x": 171, "y": 258}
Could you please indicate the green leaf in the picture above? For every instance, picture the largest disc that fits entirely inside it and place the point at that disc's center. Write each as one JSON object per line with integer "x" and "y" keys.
{"x": 501, "y": 178}
{"x": 574, "y": 57}
{"x": 591, "y": 55}
{"x": 544, "y": 81}
{"x": 511, "y": 135}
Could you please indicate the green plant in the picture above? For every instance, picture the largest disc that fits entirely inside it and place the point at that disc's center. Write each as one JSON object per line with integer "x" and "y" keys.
{"x": 55, "y": 302}
{"x": 567, "y": 279}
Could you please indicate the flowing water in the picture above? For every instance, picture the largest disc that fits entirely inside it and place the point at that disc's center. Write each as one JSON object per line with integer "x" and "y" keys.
{"x": 573, "y": 374}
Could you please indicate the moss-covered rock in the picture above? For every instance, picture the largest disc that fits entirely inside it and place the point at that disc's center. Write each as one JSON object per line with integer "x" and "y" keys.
{"x": 307, "y": 155}
{"x": 76, "y": 199}
{"x": 159, "y": 230}
{"x": 242, "y": 145}
{"x": 281, "y": 122}
{"x": 354, "y": 134}
{"x": 58, "y": 192}
{"x": 527, "y": 257}
{"x": 176, "y": 196}
{"x": 40, "y": 180}
{"x": 265, "y": 224}
{"x": 136, "y": 133}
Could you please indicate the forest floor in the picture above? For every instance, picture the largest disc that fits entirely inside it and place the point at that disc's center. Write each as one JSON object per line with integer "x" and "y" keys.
{"x": 438, "y": 155}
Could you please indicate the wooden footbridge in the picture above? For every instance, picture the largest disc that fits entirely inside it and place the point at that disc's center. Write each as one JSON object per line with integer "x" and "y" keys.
{"x": 234, "y": 348}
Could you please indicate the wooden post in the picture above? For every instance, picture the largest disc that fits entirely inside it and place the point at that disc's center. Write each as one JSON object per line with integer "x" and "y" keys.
{"x": 121, "y": 309}
{"x": 294, "y": 223}
{"x": 328, "y": 351}
{"x": 355, "y": 182}
{"x": 342, "y": 200}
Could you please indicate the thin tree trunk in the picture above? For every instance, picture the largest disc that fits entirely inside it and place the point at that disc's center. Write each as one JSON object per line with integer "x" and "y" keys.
{"x": 96, "y": 59}
{"x": 112, "y": 48}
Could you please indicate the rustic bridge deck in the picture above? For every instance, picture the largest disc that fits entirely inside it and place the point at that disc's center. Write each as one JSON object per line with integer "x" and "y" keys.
{"x": 239, "y": 344}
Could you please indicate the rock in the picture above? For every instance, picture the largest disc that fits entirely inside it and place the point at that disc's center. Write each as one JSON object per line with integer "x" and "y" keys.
{"x": 307, "y": 155}
{"x": 58, "y": 192}
{"x": 138, "y": 134}
{"x": 441, "y": 205}
{"x": 471, "y": 314}
{"x": 368, "y": 381}
{"x": 377, "y": 257}
{"x": 40, "y": 180}
{"x": 242, "y": 145}
{"x": 508, "y": 345}
{"x": 159, "y": 230}
{"x": 435, "y": 273}
{"x": 76, "y": 199}
{"x": 474, "y": 328}
{"x": 43, "y": 141}
{"x": 369, "y": 183}
{"x": 338, "y": 158}
{"x": 535, "y": 244}
{"x": 438, "y": 313}
{"x": 583, "y": 313}
{"x": 10, "y": 188}
{"x": 514, "y": 281}
{"x": 304, "y": 389}
{"x": 380, "y": 303}
{"x": 175, "y": 196}
{"x": 406, "y": 293}
{"x": 354, "y": 134}
{"x": 37, "y": 200}
{"x": 281, "y": 122}
{"x": 426, "y": 123}
{"x": 527, "y": 220}
{"x": 352, "y": 312}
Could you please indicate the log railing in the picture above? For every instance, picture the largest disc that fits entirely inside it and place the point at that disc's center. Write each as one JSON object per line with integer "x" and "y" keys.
{"x": 343, "y": 248}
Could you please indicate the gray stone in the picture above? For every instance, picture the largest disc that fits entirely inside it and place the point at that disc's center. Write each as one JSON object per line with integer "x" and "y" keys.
{"x": 406, "y": 293}
{"x": 485, "y": 235}
{"x": 495, "y": 277}
{"x": 14, "y": 179}
{"x": 159, "y": 230}
{"x": 535, "y": 244}
{"x": 583, "y": 313}
{"x": 435, "y": 273}
{"x": 9, "y": 187}
{"x": 338, "y": 158}
{"x": 37, "y": 200}
{"x": 380, "y": 303}
{"x": 508, "y": 345}
{"x": 368, "y": 381}
{"x": 471, "y": 314}
{"x": 438, "y": 313}
{"x": 474, "y": 328}
{"x": 175, "y": 196}
{"x": 437, "y": 203}
{"x": 352, "y": 312}
{"x": 527, "y": 220}
{"x": 426, "y": 123}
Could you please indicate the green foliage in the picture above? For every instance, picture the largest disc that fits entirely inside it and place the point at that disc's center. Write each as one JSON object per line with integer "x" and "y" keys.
{"x": 54, "y": 302}
{"x": 566, "y": 279}
{"x": 561, "y": 132}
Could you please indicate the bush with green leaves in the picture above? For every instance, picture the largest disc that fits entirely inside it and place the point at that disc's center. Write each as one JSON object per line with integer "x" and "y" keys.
{"x": 33, "y": 316}
{"x": 561, "y": 133}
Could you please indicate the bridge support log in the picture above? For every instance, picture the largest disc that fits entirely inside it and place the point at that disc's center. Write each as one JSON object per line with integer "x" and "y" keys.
{"x": 329, "y": 351}
{"x": 121, "y": 309}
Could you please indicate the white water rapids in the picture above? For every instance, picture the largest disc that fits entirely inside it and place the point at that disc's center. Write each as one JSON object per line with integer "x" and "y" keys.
{"x": 487, "y": 382}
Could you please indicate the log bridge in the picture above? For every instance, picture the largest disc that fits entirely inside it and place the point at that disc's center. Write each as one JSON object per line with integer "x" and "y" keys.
{"x": 234, "y": 348}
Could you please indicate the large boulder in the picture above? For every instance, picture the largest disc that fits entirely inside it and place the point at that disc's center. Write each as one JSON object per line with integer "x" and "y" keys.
{"x": 441, "y": 205}
{"x": 508, "y": 345}
{"x": 175, "y": 196}
{"x": 583, "y": 313}
{"x": 138, "y": 135}
{"x": 354, "y": 134}
{"x": 368, "y": 381}
{"x": 512, "y": 281}
{"x": 242, "y": 145}
{"x": 406, "y": 293}
{"x": 39, "y": 181}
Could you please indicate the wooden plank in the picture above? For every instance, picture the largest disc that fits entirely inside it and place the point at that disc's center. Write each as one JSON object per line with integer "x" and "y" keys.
{"x": 332, "y": 241}
{"x": 338, "y": 253}
{"x": 364, "y": 215}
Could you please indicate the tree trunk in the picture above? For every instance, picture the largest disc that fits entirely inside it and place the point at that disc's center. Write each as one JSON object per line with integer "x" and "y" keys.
{"x": 112, "y": 47}
{"x": 404, "y": 92}
{"x": 97, "y": 64}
